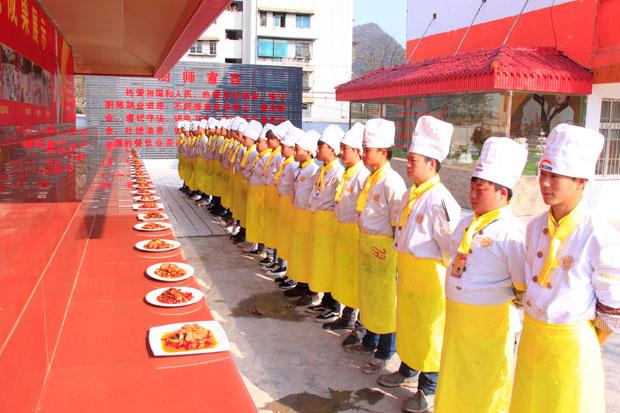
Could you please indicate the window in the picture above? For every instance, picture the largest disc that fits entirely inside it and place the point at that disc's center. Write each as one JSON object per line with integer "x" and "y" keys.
{"x": 233, "y": 34}
{"x": 609, "y": 161}
{"x": 279, "y": 20}
{"x": 302, "y": 50}
{"x": 204, "y": 47}
{"x": 305, "y": 81}
{"x": 263, "y": 18}
{"x": 231, "y": 60}
{"x": 277, "y": 49}
{"x": 302, "y": 21}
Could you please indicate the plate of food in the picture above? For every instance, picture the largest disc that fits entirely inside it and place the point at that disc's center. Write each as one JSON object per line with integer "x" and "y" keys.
{"x": 152, "y": 226}
{"x": 143, "y": 186}
{"x": 146, "y": 197}
{"x": 157, "y": 245}
{"x": 152, "y": 216}
{"x": 174, "y": 296}
{"x": 143, "y": 191}
{"x": 148, "y": 205}
{"x": 188, "y": 338}
{"x": 170, "y": 271}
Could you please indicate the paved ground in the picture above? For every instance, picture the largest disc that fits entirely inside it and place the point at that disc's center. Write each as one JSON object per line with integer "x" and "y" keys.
{"x": 288, "y": 362}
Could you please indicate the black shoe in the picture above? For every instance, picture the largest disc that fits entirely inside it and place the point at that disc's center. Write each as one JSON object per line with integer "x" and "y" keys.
{"x": 352, "y": 339}
{"x": 239, "y": 238}
{"x": 265, "y": 262}
{"x": 272, "y": 266}
{"x": 256, "y": 253}
{"x": 304, "y": 300}
{"x": 288, "y": 285}
{"x": 316, "y": 309}
{"x": 339, "y": 324}
{"x": 327, "y": 316}
{"x": 280, "y": 271}
{"x": 295, "y": 292}
{"x": 280, "y": 279}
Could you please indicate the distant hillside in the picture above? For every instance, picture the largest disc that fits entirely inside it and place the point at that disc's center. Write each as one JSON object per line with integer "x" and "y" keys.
{"x": 374, "y": 48}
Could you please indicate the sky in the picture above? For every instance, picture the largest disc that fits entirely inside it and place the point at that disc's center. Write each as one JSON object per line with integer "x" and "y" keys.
{"x": 390, "y": 15}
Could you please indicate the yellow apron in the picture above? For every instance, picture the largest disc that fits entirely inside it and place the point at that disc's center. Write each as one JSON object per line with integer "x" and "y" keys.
{"x": 344, "y": 287}
{"x": 209, "y": 177}
{"x": 192, "y": 174}
{"x": 477, "y": 359}
{"x": 254, "y": 216}
{"x": 299, "y": 260}
{"x": 217, "y": 173}
{"x": 559, "y": 369}
{"x": 420, "y": 311}
{"x": 322, "y": 251}
{"x": 234, "y": 192}
{"x": 201, "y": 173}
{"x": 377, "y": 283}
{"x": 226, "y": 187}
{"x": 180, "y": 167}
{"x": 270, "y": 232}
{"x": 243, "y": 201}
{"x": 285, "y": 230}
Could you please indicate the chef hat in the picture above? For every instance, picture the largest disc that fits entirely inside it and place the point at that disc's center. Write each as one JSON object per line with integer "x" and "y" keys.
{"x": 332, "y": 135}
{"x": 432, "y": 138}
{"x": 253, "y": 130}
{"x": 379, "y": 133}
{"x": 292, "y": 136}
{"x": 309, "y": 141}
{"x": 354, "y": 136}
{"x": 212, "y": 123}
{"x": 502, "y": 161}
{"x": 225, "y": 123}
{"x": 572, "y": 151}
{"x": 180, "y": 124}
{"x": 187, "y": 125}
{"x": 281, "y": 129}
{"x": 234, "y": 123}
{"x": 242, "y": 125}
{"x": 195, "y": 125}
{"x": 204, "y": 124}
{"x": 266, "y": 128}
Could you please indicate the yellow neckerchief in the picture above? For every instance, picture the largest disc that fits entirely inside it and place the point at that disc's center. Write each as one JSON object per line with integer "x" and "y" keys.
{"x": 348, "y": 174}
{"x": 319, "y": 185}
{"x": 224, "y": 145}
{"x": 276, "y": 177}
{"x": 217, "y": 139}
{"x": 414, "y": 195}
{"x": 233, "y": 159}
{"x": 212, "y": 142}
{"x": 244, "y": 161}
{"x": 271, "y": 156}
{"x": 370, "y": 182}
{"x": 477, "y": 223}
{"x": 260, "y": 155}
{"x": 558, "y": 232}
{"x": 233, "y": 150}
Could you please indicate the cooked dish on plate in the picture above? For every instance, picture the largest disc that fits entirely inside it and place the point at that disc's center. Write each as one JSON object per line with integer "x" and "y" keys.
{"x": 157, "y": 244}
{"x": 153, "y": 225}
{"x": 188, "y": 337}
{"x": 174, "y": 296}
{"x": 148, "y": 205}
{"x": 154, "y": 215}
{"x": 168, "y": 270}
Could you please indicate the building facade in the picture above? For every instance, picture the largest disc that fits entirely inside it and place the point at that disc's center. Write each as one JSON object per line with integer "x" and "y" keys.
{"x": 313, "y": 35}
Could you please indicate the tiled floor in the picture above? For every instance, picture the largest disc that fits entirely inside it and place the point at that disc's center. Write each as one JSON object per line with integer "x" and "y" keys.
{"x": 188, "y": 219}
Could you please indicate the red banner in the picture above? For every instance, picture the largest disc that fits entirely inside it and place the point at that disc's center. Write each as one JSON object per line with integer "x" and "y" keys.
{"x": 36, "y": 67}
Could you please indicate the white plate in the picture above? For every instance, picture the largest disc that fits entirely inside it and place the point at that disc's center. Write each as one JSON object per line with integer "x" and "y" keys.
{"x": 140, "y": 226}
{"x": 149, "y": 186}
{"x": 148, "y": 181}
{"x": 151, "y": 297}
{"x": 141, "y": 199}
{"x": 189, "y": 271}
{"x": 140, "y": 245}
{"x": 155, "y": 334}
{"x": 142, "y": 217}
{"x": 148, "y": 191}
{"x": 137, "y": 207}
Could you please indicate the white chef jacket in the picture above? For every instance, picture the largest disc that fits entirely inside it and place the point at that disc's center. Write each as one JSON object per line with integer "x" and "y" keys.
{"x": 256, "y": 174}
{"x": 324, "y": 200}
{"x": 304, "y": 184}
{"x": 345, "y": 209}
{"x": 271, "y": 170}
{"x": 287, "y": 179}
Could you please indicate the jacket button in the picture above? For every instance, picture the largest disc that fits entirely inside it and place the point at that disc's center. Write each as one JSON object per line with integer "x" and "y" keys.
{"x": 396, "y": 244}
{"x": 539, "y": 254}
{"x": 535, "y": 278}
{"x": 549, "y": 286}
{"x": 480, "y": 232}
{"x": 458, "y": 287}
{"x": 545, "y": 231}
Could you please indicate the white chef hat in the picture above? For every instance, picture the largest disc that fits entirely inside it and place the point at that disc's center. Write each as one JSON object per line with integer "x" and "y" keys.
{"x": 242, "y": 125}
{"x": 292, "y": 136}
{"x": 212, "y": 123}
{"x": 187, "y": 125}
{"x": 204, "y": 124}
{"x": 309, "y": 141}
{"x": 502, "y": 161}
{"x": 180, "y": 124}
{"x": 281, "y": 129}
{"x": 195, "y": 124}
{"x": 266, "y": 128}
{"x": 332, "y": 135}
{"x": 253, "y": 130}
{"x": 379, "y": 133}
{"x": 572, "y": 151}
{"x": 234, "y": 123}
{"x": 225, "y": 123}
{"x": 354, "y": 136}
{"x": 432, "y": 138}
